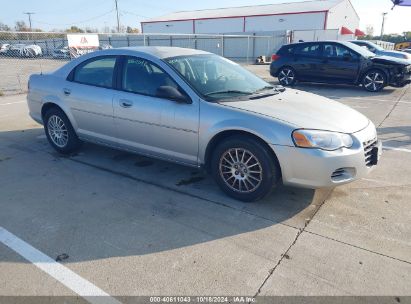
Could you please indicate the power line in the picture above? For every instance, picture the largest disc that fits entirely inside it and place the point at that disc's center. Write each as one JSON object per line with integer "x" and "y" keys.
{"x": 77, "y": 22}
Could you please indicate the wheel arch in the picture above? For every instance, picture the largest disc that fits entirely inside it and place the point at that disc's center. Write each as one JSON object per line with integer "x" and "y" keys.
{"x": 221, "y": 136}
{"x": 49, "y": 104}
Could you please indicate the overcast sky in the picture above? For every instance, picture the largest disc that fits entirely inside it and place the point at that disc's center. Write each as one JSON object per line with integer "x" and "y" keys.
{"x": 52, "y": 14}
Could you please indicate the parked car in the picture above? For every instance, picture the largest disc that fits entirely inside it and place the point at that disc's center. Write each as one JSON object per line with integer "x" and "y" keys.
{"x": 199, "y": 109}
{"x": 407, "y": 51}
{"x": 379, "y": 51}
{"x": 338, "y": 62}
{"x": 4, "y": 47}
{"x": 23, "y": 50}
{"x": 61, "y": 52}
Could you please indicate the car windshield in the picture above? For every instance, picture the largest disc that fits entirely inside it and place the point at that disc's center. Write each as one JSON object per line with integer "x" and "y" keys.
{"x": 215, "y": 77}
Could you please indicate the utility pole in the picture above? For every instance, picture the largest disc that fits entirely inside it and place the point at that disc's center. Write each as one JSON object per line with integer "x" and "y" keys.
{"x": 383, "y": 23}
{"x": 118, "y": 18}
{"x": 29, "y": 14}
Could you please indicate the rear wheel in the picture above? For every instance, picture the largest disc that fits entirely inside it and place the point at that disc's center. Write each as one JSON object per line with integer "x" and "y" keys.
{"x": 374, "y": 80}
{"x": 60, "y": 132}
{"x": 286, "y": 76}
{"x": 244, "y": 169}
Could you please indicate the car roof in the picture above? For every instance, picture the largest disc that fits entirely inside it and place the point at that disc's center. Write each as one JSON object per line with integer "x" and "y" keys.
{"x": 346, "y": 43}
{"x": 156, "y": 51}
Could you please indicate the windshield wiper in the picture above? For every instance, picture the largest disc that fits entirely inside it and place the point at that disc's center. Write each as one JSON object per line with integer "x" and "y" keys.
{"x": 229, "y": 92}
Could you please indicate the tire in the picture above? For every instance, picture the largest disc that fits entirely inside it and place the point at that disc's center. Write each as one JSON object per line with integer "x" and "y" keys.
{"x": 233, "y": 174}
{"x": 374, "y": 80}
{"x": 287, "y": 76}
{"x": 60, "y": 132}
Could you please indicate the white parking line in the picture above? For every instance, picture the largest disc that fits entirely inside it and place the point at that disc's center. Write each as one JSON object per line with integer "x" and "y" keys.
{"x": 396, "y": 149}
{"x": 73, "y": 281}
{"x": 11, "y": 103}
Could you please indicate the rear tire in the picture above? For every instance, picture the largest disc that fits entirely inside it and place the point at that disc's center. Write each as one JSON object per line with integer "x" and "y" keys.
{"x": 287, "y": 76}
{"x": 374, "y": 80}
{"x": 244, "y": 169}
{"x": 60, "y": 132}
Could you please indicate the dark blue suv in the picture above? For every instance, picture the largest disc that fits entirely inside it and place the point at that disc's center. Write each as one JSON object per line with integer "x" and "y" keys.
{"x": 338, "y": 62}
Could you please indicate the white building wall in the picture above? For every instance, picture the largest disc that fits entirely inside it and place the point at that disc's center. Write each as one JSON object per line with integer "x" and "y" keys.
{"x": 219, "y": 26}
{"x": 177, "y": 27}
{"x": 304, "y": 21}
{"x": 343, "y": 14}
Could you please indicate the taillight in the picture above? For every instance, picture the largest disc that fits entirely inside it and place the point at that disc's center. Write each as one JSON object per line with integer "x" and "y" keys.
{"x": 274, "y": 57}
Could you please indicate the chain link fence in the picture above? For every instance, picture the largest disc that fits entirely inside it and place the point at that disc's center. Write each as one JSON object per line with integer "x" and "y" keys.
{"x": 25, "y": 53}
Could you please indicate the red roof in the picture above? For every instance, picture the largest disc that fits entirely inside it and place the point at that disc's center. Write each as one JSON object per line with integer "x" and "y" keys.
{"x": 359, "y": 33}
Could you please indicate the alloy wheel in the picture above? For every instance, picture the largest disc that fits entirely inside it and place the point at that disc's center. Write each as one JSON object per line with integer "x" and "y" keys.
{"x": 58, "y": 131}
{"x": 374, "y": 81}
{"x": 286, "y": 76}
{"x": 241, "y": 170}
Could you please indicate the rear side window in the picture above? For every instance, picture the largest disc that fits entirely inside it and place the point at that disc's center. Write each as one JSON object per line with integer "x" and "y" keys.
{"x": 311, "y": 50}
{"x": 286, "y": 50}
{"x": 142, "y": 77}
{"x": 97, "y": 72}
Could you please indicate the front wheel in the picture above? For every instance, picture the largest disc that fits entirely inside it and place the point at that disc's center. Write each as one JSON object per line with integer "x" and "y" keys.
{"x": 244, "y": 169}
{"x": 286, "y": 76}
{"x": 60, "y": 132}
{"x": 374, "y": 81}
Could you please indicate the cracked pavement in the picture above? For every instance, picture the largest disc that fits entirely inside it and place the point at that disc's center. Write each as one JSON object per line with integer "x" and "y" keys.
{"x": 138, "y": 226}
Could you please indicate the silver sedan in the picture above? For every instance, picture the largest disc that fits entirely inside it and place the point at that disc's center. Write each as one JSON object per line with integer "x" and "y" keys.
{"x": 199, "y": 109}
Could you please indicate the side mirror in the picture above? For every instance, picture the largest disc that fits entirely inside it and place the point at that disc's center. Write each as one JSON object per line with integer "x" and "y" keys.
{"x": 169, "y": 92}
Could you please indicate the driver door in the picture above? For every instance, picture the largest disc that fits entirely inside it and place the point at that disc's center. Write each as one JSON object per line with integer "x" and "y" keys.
{"x": 149, "y": 124}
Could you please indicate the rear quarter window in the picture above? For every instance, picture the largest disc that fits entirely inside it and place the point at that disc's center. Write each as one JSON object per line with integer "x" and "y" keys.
{"x": 286, "y": 50}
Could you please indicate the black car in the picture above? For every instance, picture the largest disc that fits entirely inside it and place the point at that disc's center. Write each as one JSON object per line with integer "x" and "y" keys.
{"x": 338, "y": 62}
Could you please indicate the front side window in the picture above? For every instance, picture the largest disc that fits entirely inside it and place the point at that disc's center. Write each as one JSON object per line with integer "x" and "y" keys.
{"x": 337, "y": 51}
{"x": 97, "y": 72}
{"x": 215, "y": 77}
{"x": 143, "y": 77}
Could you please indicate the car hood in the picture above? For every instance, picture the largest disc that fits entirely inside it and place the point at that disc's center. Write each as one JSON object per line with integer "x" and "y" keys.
{"x": 390, "y": 60}
{"x": 305, "y": 110}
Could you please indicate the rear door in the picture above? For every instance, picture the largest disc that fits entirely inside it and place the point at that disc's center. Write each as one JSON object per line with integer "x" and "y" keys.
{"x": 88, "y": 92}
{"x": 307, "y": 58}
{"x": 339, "y": 63}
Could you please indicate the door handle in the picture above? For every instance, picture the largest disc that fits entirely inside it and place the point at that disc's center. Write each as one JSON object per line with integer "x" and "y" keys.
{"x": 125, "y": 103}
{"x": 66, "y": 92}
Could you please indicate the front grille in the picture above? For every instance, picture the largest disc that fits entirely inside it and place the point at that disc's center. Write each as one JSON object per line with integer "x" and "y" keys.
{"x": 368, "y": 148}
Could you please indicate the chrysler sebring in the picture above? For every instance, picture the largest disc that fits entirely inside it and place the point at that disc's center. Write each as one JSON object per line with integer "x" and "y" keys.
{"x": 199, "y": 109}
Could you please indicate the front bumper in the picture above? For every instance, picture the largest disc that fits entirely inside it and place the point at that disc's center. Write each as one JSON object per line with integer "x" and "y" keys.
{"x": 401, "y": 80}
{"x": 315, "y": 168}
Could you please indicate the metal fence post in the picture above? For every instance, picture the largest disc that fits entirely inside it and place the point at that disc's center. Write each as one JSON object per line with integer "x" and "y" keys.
{"x": 222, "y": 45}
{"x": 144, "y": 39}
{"x": 248, "y": 48}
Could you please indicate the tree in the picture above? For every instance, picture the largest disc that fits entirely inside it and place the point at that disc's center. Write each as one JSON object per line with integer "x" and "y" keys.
{"x": 21, "y": 26}
{"x": 4, "y": 27}
{"x": 132, "y": 30}
{"x": 74, "y": 29}
{"x": 369, "y": 30}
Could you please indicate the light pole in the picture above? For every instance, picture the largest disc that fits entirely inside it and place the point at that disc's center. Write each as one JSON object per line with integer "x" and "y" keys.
{"x": 118, "y": 19}
{"x": 29, "y": 14}
{"x": 383, "y": 23}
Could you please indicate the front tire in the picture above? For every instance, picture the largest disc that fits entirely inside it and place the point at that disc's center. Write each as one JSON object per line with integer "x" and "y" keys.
{"x": 244, "y": 169}
{"x": 374, "y": 80}
{"x": 287, "y": 76}
{"x": 60, "y": 132}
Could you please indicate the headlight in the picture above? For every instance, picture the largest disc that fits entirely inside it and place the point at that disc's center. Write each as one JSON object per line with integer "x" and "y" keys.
{"x": 324, "y": 140}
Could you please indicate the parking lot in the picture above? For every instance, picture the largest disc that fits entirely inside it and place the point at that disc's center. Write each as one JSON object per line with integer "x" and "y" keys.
{"x": 119, "y": 224}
